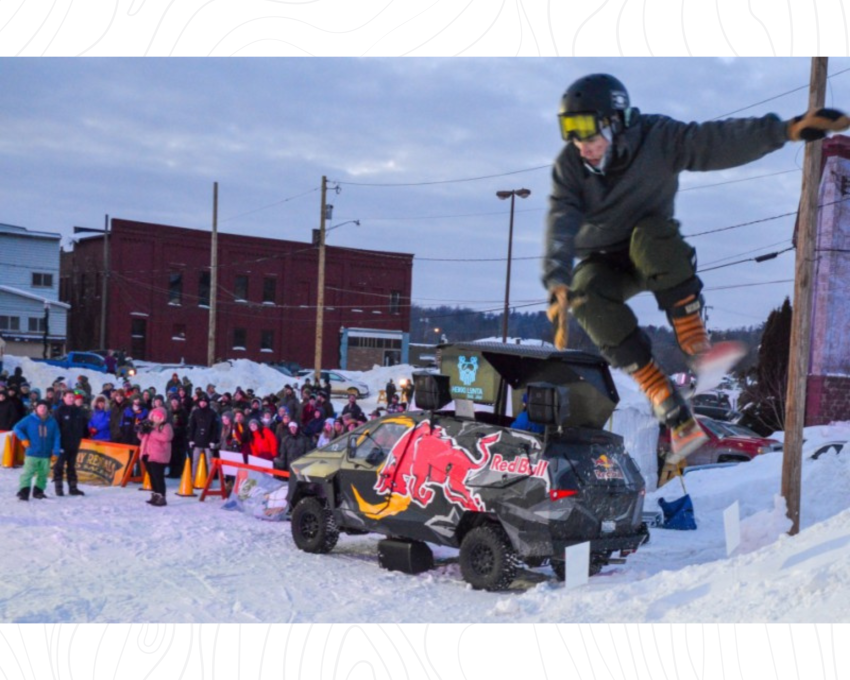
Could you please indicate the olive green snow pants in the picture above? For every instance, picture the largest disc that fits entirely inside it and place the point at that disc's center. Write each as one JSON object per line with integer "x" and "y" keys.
{"x": 658, "y": 260}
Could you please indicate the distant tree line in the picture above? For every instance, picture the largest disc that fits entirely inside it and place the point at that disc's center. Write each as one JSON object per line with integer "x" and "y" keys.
{"x": 762, "y": 374}
{"x": 459, "y": 324}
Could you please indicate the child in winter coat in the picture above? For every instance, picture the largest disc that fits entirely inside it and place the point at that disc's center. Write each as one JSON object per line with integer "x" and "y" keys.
{"x": 155, "y": 436}
{"x": 39, "y": 433}
{"x": 99, "y": 421}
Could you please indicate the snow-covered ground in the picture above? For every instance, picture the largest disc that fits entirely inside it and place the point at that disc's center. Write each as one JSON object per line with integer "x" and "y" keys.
{"x": 109, "y": 557}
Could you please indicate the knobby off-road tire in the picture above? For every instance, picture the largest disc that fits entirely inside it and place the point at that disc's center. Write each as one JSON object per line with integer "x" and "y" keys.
{"x": 487, "y": 558}
{"x": 314, "y": 529}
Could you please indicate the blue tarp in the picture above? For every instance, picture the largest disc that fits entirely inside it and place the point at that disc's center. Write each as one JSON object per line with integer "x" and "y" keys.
{"x": 678, "y": 514}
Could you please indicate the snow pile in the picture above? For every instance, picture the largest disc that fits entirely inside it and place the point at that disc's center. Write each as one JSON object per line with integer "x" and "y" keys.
{"x": 195, "y": 562}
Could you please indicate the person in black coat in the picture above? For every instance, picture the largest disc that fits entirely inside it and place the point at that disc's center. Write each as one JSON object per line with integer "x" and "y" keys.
{"x": 8, "y": 412}
{"x": 292, "y": 447}
{"x": 73, "y": 427}
{"x": 133, "y": 416}
{"x": 116, "y": 415}
{"x": 202, "y": 433}
{"x": 352, "y": 408}
{"x": 180, "y": 426}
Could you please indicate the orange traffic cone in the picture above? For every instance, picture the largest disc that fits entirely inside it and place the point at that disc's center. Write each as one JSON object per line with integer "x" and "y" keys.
{"x": 9, "y": 451}
{"x": 146, "y": 485}
{"x": 201, "y": 472}
{"x": 186, "y": 480}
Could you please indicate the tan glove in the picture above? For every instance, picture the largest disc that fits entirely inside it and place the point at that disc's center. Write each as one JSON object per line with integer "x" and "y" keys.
{"x": 814, "y": 125}
{"x": 25, "y": 443}
{"x": 558, "y": 314}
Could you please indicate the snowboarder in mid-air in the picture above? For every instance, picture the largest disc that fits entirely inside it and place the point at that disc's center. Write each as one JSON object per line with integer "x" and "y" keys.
{"x": 611, "y": 208}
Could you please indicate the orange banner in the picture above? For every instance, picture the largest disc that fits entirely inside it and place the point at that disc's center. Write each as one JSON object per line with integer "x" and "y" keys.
{"x": 103, "y": 463}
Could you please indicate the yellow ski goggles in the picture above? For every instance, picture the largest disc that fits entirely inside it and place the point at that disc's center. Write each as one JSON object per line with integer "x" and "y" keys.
{"x": 578, "y": 126}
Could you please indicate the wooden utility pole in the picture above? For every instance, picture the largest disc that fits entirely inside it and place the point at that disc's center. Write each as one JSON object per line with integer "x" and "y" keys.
{"x": 320, "y": 296}
{"x": 801, "y": 322}
{"x": 104, "y": 285}
{"x": 213, "y": 279}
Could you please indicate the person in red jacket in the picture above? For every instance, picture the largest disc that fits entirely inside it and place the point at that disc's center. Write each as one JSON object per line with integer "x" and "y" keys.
{"x": 155, "y": 451}
{"x": 263, "y": 443}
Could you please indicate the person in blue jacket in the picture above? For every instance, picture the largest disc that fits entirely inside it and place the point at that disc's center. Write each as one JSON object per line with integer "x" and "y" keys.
{"x": 39, "y": 433}
{"x": 523, "y": 423}
{"x": 99, "y": 421}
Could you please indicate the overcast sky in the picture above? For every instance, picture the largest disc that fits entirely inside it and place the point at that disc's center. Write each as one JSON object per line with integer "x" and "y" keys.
{"x": 417, "y": 147}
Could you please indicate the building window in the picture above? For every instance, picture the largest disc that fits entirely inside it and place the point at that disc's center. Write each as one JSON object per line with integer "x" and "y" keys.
{"x": 204, "y": 290}
{"x": 175, "y": 288}
{"x": 240, "y": 338}
{"x": 240, "y": 288}
{"x": 40, "y": 280}
{"x": 36, "y": 324}
{"x": 269, "y": 290}
{"x": 10, "y": 323}
{"x": 266, "y": 341}
{"x": 395, "y": 301}
{"x": 178, "y": 331}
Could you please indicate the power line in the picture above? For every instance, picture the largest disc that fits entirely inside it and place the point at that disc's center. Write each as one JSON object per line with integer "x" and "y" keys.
{"x": 445, "y": 181}
{"x": 270, "y": 205}
{"x": 770, "y": 99}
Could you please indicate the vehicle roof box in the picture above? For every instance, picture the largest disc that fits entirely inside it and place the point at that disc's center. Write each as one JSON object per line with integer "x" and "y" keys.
{"x": 592, "y": 393}
{"x": 432, "y": 391}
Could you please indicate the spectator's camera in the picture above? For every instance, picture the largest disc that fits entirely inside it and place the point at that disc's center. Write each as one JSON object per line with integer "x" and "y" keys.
{"x": 144, "y": 427}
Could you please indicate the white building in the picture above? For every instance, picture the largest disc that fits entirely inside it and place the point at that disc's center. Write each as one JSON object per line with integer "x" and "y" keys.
{"x": 32, "y": 319}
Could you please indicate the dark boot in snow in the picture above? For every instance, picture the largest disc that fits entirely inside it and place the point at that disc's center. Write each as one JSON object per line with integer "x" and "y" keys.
{"x": 159, "y": 501}
{"x": 38, "y": 493}
{"x": 59, "y": 491}
{"x": 24, "y": 494}
{"x": 74, "y": 491}
{"x": 152, "y": 499}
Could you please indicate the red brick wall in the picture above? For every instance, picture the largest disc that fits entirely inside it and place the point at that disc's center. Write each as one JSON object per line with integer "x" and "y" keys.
{"x": 827, "y": 399}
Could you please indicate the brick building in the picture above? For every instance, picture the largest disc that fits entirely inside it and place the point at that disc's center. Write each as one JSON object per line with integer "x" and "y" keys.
{"x": 158, "y": 295}
{"x": 828, "y": 388}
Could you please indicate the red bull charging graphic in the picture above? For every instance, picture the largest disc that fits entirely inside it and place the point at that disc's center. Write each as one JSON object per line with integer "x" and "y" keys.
{"x": 424, "y": 462}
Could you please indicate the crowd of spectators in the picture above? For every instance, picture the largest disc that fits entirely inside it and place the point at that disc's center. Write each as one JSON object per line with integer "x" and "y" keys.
{"x": 277, "y": 427}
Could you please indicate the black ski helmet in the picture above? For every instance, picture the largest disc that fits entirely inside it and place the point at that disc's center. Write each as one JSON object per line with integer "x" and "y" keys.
{"x": 601, "y": 95}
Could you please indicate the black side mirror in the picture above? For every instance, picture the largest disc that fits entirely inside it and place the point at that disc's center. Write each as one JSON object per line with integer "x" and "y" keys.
{"x": 375, "y": 456}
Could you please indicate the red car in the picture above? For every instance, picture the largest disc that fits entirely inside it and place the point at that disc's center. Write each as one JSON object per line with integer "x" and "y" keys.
{"x": 727, "y": 443}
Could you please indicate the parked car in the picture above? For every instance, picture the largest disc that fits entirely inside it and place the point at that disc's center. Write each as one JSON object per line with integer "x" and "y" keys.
{"x": 340, "y": 384}
{"x": 470, "y": 481}
{"x": 823, "y": 448}
{"x": 727, "y": 443}
{"x": 727, "y": 415}
{"x": 77, "y": 360}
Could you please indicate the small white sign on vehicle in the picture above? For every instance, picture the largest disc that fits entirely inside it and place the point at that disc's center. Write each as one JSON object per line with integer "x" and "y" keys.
{"x": 577, "y": 565}
{"x": 732, "y": 526}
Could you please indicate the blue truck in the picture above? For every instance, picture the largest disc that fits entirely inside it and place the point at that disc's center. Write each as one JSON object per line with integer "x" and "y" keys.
{"x": 89, "y": 360}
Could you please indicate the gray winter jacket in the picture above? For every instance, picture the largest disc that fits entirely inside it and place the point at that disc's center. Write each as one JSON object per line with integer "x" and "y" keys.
{"x": 590, "y": 213}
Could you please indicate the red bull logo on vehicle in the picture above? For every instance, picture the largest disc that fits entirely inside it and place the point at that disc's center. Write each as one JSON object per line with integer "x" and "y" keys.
{"x": 520, "y": 465}
{"x": 425, "y": 462}
{"x": 605, "y": 468}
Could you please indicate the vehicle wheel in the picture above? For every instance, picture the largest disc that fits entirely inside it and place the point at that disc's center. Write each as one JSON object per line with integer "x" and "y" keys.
{"x": 487, "y": 558}
{"x": 314, "y": 529}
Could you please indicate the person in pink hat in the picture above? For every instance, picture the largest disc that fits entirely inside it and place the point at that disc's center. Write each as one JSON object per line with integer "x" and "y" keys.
{"x": 155, "y": 435}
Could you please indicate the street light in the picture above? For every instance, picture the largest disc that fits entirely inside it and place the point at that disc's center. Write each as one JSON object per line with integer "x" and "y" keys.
{"x": 522, "y": 193}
